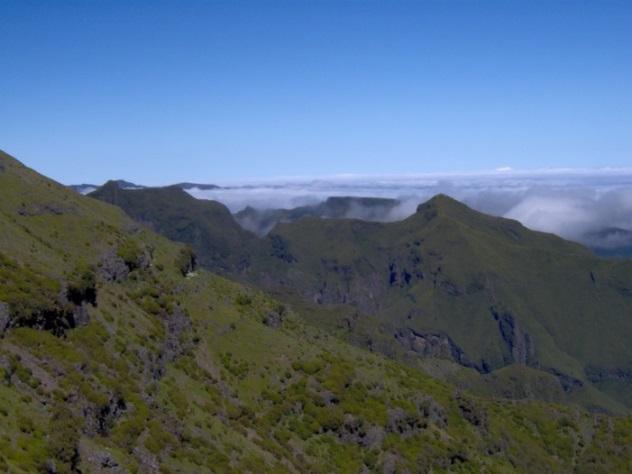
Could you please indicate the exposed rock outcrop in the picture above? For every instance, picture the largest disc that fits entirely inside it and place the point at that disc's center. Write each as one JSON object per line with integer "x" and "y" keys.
{"x": 279, "y": 249}
{"x": 274, "y": 319}
{"x": 356, "y": 430}
{"x": 148, "y": 462}
{"x": 99, "y": 461}
{"x": 112, "y": 267}
{"x": 81, "y": 315}
{"x": 471, "y": 411}
{"x": 518, "y": 342}
{"x": 598, "y": 374}
{"x": 404, "y": 272}
{"x": 56, "y": 319}
{"x": 404, "y": 424}
{"x": 347, "y": 286}
{"x": 5, "y": 317}
{"x": 43, "y": 209}
{"x": 186, "y": 261}
{"x": 432, "y": 411}
{"x": 100, "y": 419}
{"x": 410, "y": 423}
{"x": 176, "y": 323}
{"x": 431, "y": 345}
{"x": 568, "y": 382}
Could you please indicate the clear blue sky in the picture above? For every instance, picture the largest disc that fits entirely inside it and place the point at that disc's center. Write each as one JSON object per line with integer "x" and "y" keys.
{"x": 158, "y": 92}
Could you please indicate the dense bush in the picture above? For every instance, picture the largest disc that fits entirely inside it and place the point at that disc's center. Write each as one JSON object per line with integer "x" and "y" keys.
{"x": 242, "y": 299}
{"x": 33, "y": 299}
{"x": 186, "y": 261}
{"x": 131, "y": 253}
{"x": 82, "y": 285}
{"x": 64, "y": 429}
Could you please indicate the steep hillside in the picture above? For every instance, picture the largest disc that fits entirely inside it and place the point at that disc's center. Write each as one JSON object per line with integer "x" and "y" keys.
{"x": 450, "y": 283}
{"x": 116, "y": 356}
{"x": 206, "y": 225}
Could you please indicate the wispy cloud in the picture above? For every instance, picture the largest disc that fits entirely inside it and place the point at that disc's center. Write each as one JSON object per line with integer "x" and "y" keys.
{"x": 572, "y": 203}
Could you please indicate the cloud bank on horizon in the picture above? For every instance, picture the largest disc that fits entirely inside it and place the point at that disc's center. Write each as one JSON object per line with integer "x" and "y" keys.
{"x": 583, "y": 205}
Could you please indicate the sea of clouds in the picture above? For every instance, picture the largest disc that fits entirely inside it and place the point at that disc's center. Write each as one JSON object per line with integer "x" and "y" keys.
{"x": 574, "y": 204}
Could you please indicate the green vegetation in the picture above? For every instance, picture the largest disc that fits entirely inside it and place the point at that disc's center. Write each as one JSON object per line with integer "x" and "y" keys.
{"x": 131, "y": 253}
{"x": 501, "y": 310}
{"x": 27, "y": 292}
{"x": 185, "y": 374}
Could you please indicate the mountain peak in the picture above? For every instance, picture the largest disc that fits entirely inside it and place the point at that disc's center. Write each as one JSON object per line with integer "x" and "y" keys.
{"x": 442, "y": 203}
{"x": 123, "y": 184}
{"x": 112, "y": 191}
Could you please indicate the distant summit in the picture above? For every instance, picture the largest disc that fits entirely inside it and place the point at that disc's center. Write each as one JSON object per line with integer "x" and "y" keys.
{"x": 88, "y": 188}
{"x": 262, "y": 221}
{"x": 84, "y": 188}
{"x": 201, "y": 187}
{"x": 128, "y": 185}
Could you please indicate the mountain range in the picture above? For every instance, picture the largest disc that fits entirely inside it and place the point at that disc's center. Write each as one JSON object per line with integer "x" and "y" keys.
{"x": 485, "y": 294}
{"x": 121, "y": 183}
{"x": 329, "y": 345}
{"x": 262, "y": 221}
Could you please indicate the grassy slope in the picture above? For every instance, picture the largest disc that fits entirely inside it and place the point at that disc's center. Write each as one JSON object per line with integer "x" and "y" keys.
{"x": 232, "y": 393}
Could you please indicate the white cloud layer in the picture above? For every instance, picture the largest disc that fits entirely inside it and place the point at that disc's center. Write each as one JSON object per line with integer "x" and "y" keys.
{"x": 574, "y": 204}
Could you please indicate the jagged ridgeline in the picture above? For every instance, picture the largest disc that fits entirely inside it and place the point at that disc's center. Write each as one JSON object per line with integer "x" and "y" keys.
{"x": 477, "y": 300}
{"x": 118, "y": 355}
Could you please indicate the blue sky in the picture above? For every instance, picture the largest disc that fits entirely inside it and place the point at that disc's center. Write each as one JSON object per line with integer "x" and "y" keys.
{"x": 158, "y": 92}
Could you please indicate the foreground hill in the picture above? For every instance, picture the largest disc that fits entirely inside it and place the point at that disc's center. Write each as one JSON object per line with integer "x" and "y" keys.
{"x": 514, "y": 312}
{"x": 117, "y": 357}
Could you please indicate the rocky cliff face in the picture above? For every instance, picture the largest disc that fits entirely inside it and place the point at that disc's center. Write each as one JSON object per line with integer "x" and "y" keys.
{"x": 431, "y": 345}
{"x": 519, "y": 344}
{"x": 5, "y": 317}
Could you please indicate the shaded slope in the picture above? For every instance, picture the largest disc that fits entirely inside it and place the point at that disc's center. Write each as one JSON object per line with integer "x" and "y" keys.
{"x": 221, "y": 244}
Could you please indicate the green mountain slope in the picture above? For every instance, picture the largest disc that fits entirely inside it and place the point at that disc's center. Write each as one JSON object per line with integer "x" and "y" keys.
{"x": 115, "y": 357}
{"x": 450, "y": 283}
{"x": 492, "y": 291}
